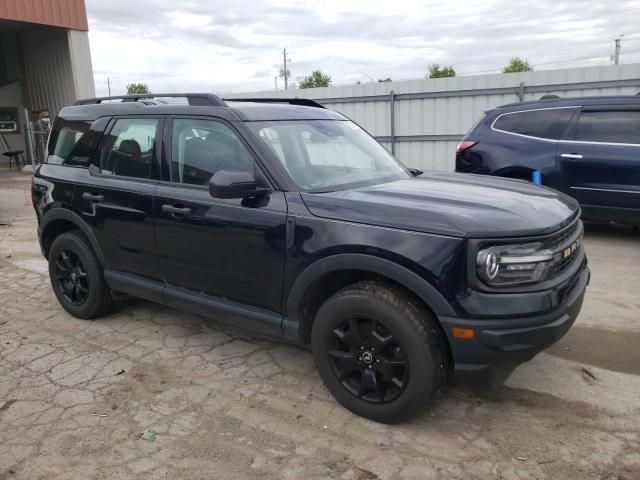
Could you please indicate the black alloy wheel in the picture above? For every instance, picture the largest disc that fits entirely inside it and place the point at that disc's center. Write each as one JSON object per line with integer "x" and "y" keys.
{"x": 77, "y": 276}
{"x": 72, "y": 277}
{"x": 378, "y": 350}
{"x": 368, "y": 360}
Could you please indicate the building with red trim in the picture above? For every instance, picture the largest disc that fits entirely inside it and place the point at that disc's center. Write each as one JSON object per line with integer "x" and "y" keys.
{"x": 45, "y": 64}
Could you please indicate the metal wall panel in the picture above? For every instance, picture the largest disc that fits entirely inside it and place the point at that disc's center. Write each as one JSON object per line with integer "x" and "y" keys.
{"x": 82, "y": 69}
{"x": 442, "y": 110}
{"x": 59, "y": 13}
{"x": 48, "y": 79}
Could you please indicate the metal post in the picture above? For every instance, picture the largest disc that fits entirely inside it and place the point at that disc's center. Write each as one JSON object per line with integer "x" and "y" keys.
{"x": 28, "y": 140}
{"x": 286, "y": 72}
{"x": 392, "y": 112}
{"x": 520, "y": 92}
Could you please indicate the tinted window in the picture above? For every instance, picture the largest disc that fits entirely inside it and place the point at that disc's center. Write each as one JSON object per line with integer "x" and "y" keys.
{"x": 202, "y": 147}
{"x": 613, "y": 127}
{"x": 64, "y": 138}
{"x": 550, "y": 123}
{"x": 129, "y": 148}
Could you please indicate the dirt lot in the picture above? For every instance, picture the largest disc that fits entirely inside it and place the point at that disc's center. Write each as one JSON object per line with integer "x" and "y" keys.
{"x": 76, "y": 395}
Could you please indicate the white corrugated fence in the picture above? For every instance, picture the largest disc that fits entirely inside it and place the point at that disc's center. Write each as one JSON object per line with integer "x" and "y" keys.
{"x": 423, "y": 120}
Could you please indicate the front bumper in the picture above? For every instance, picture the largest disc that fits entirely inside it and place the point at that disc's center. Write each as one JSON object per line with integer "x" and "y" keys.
{"x": 502, "y": 344}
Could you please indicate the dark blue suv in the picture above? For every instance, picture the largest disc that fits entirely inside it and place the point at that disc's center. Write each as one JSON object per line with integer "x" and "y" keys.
{"x": 588, "y": 148}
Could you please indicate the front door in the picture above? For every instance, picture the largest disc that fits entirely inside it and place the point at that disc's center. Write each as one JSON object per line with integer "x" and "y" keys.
{"x": 231, "y": 249}
{"x": 116, "y": 197}
{"x": 601, "y": 166}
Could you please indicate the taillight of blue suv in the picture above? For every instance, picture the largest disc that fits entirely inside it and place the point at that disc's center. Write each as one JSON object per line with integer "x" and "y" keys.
{"x": 464, "y": 161}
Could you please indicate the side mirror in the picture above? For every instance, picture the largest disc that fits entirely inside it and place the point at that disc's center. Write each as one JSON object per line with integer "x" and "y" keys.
{"x": 230, "y": 184}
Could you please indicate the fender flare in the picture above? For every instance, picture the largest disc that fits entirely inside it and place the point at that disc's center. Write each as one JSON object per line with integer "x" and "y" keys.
{"x": 72, "y": 217}
{"x": 354, "y": 261}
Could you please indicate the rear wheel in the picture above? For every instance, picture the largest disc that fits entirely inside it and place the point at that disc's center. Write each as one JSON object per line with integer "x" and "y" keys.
{"x": 77, "y": 277}
{"x": 377, "y": 351}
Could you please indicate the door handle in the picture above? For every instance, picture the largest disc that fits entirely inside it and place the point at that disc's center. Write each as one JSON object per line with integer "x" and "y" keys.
{"x": 175, "y": 210}
{"x": 576, "y": 156}
{"x": 92, "y": 197}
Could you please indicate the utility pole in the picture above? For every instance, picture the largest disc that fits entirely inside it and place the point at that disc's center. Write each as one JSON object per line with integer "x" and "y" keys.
{"x": 286, "y": 69}
{"x": 109, "y": 85}
{"x": 616, "y": 52}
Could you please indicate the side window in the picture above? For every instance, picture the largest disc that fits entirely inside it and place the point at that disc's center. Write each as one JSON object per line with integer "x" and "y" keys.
{"x": 202, "y": 147}
{"x": 610, "y": 127}
{"x": 64, "y": 138}
{"x": 129, "y": 148}
{"x": 549, "y": 123}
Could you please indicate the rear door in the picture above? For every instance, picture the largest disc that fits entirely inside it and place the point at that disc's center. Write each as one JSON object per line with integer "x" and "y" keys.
{"x": 116, "y": 196}
{"x": 601, "y": 165}
{"x": 524, "y": 141}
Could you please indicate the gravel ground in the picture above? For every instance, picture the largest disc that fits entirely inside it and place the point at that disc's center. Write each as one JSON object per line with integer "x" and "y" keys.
{"x": 75, "y": 396}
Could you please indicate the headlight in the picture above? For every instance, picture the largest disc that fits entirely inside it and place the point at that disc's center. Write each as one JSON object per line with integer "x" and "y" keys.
{"x": 513, "y": 264}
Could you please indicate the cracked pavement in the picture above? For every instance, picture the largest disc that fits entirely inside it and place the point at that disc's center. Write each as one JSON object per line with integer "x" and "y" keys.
{"x": 76, "y": 395}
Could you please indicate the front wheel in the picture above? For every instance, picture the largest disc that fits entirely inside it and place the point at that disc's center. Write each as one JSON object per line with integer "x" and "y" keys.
{"x": 377, "y": 351}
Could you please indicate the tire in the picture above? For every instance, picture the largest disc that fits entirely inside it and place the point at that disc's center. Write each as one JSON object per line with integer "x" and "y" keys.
{"x": 77, "y": 277}
{"x": 398, "y": 366}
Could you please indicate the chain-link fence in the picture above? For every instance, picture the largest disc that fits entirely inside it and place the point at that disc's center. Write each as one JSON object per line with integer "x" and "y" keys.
{"x": 39, "y": 136}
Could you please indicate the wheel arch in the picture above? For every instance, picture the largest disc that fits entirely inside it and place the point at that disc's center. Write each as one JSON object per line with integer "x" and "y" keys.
{"x": 326, "y": 276}
{"x": 516, "y": 172}
{"x": 56, "y": 222}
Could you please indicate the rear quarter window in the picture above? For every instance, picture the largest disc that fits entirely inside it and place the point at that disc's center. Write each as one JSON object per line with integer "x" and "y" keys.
{"x": 609, "y": 126}
{"x": 551, "y": 123}
{"x": 64, "y": 138}
{"x": 73, "y": 142}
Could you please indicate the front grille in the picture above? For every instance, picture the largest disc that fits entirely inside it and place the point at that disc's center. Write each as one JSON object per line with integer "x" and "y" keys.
{"x": 563, "y": 245}
{"x": 558, "y": 240}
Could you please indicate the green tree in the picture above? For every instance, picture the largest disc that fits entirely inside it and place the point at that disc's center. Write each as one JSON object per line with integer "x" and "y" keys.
{"x": 316, "y": 79}
{"x": 435, "y": 71}
{"x": 517, "y": 64}
{"x": 137, "y": 88}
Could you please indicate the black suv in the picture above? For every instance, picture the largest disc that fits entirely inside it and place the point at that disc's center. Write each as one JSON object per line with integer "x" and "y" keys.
{"x": 588, "y": 148}
{"x": 290, "y": 219}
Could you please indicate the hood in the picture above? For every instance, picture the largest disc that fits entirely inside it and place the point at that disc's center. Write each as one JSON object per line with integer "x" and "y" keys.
{"x": 460, "y": 205}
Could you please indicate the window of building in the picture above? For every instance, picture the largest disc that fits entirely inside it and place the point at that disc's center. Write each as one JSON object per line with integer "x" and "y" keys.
{"x": 129, "y": 148}
{"x": 549, "y": 123}
{"x": 200, "y": 148}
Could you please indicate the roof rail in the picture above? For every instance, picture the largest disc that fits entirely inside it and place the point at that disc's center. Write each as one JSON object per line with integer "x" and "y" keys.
{"x": 196, "y": 99}
{"x": 305, "y": 102}
{"x": 549, "y": 97}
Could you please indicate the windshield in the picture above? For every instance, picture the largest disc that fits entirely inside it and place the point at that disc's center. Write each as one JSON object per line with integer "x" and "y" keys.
{"x": 323, "y": 155}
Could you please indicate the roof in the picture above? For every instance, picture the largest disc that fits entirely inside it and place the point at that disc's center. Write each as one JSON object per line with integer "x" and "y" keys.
{"x": 574, "y": 101}
{"x": 253, "y": 111}
{"x": 200, "y": 104}
{"x": 59, "y": 13}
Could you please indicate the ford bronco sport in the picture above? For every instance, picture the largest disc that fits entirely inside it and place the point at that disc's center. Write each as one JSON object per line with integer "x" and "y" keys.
{"x": 287, "y": 218}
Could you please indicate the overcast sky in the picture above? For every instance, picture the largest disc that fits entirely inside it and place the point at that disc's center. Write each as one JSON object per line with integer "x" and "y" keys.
{"x": 224, "y": 46}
